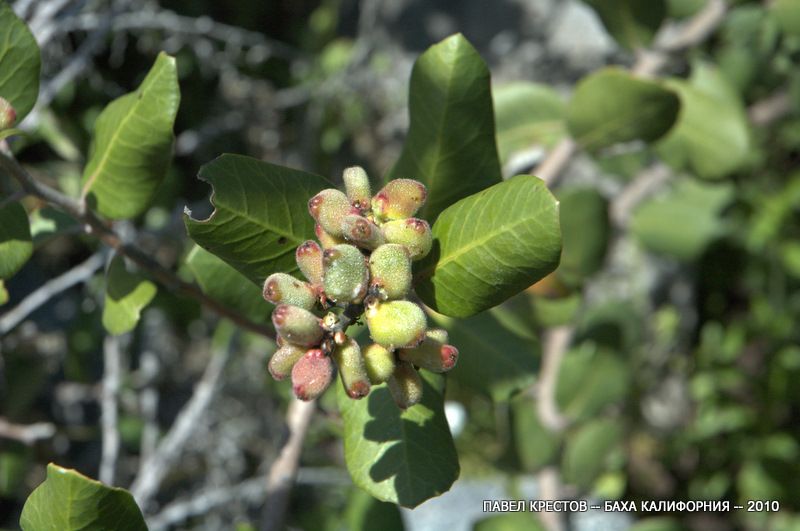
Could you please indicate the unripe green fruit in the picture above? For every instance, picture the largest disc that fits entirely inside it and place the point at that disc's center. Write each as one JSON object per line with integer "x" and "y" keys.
{"x": 356, "y": 184}
{"x": 396, "y": 324}
{"x": 282, "y": 288}
{"x": 326, "y": 240}
{"x": 361, "y": 231}
{"x": 414, "y": 234}
{"x": 399, "y": 199}
{"x": 346, "y": 275}
{"x": 351, "y": 369}
{"x": 281, "y": 363}
{"x": 8, "y": 115}
{"x": 328, "y": 208}
{"x": 405, "y": 385}
{"x": 379, "y": 362}
{"x": 297, "y": 325}
{"x": 433, "y": 354}
{"x": 309, "y": 259}
{"x": 390, "y": 271}
{"x": 311, "y": 375}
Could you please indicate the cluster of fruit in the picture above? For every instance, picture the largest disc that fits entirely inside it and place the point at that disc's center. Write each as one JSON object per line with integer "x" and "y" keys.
{"x": 362, "y": 267}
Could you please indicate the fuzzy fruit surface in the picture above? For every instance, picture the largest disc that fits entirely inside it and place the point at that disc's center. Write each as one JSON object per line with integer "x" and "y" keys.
{"x": 433, "y": 354}
{"x": 282, "y": 288}
{"x": 405, "y": 385}
{"x": 297, "y": 325}
{"x": 379, "y": 362}
{"x": 415, "y": 234}
{"x": 328, "y": 208}
{"x": 281, "y": 363}
{"x": 308, "y": 256}
{"x": 352, "y": 370}
{"x": 390, "y": 271}
{"x": 396, "y": 324}
{"x": 399, "y": 199}
{"x": 356, "y": 185}
{"x": 311, "y": 375}
{"x": 346, "y": 274}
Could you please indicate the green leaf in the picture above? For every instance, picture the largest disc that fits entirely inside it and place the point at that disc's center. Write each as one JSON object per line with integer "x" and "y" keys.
{"x": 19, "y": 63}
{"x": 711, "y": 137}
{"x": 48, "y": 222}
{"x": 585, "y": 230}
{"x": 527, "y": 114}
{"x": 260, "y": 216}
{"x": 509, "y": 522}
{"x": 365, "y": 513}
{"x": 16, "y": 246}
{"x": 683, "y": 222}
{"x": 3, "y": 293}
{"x": 483, "y": 337}
{"x": 536, "y": 446}
{"x": 588, "y": 450}
{"x": 132, "y": 145}
{"x": 450, "y": 145}
{"x": 589, "y": 380}
{"x": 490, "y": 246}
{"x": 611, "y": 106}
{"x": 69, "y": 501}
{"x": 127, "y": 295}
{"x": 223, "y": 283}
{"x": 403, "y": 457}
{"x": 633, "y": 23}
{"x": 787, "y": 14}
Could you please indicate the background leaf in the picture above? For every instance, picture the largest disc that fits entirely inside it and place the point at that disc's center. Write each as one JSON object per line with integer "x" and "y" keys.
{"x": 403, "y": 457}
{"x": 493, "y": 359}
{"x": 365, "y": 513}
{"x": 585, "y": 229}
{"x": 20, "y": 62}
{"x": 223, "y": 283}
{"x": 490, "y": 246}
{"x": 450, "y": 145}
{"x": 527, "y": 114}
{"x": 69, "y": 501}
{"x": 509, "y": 522}
{"x": 536, "y": 446}
{"x": 132, "y": 145}
{"x": 588, "y": 450}
{"x": 787, "y": 14}
{"x": 711, "y": 136}
{"x": 16, "y": 246}
{"x": 127, "y": 294}
{"x": 633, "y": 23}
{"x": 260, "y": 217}
{"x": 611, "y": 106}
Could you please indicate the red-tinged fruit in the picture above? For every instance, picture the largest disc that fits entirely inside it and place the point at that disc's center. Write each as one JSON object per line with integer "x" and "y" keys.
{"x": 433, "y": 354}
{"x": 414, "y": 234}
{"x": 405, "y": 385}
{"x": 361, "y": 232}
{"x": 297, "y": 325}
{"x": 351, "y": 367}
{"x": 327, "y": 240}
{"x": 399, "y": 199}
{"x": 8, "y": 116}
{"x": 328, "y": 208}
{"x": 311, "y": 375}
{"x": 282, "y": 288}
{"x": 281, "y": 363}
{"x": 309, "y": 259}
{"x": 356, "y": 185}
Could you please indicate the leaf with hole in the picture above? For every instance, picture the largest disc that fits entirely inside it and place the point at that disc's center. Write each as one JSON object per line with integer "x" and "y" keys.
{"x": 612, "y": 106}
{"x": 20, "y": 63}
{"x": 403, "y": 457}
{"x": 450, "y": 146}
{"x": 69, "y": 501}
{"x": 132, "y": 145}
{"x": 490, "y": 246}
{"x": 127, "y": 294}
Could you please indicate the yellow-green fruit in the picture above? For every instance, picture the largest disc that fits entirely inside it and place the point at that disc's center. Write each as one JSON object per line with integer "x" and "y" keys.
{"x": 326, "y": 240}
{"x": 328, "y": 208}
{"x": 390, "y": 271}
{"x": 405, "y": 385}
{"x": 351, "y": 369}
{"x": 356, "y": 184}
{"x": 396, "y": 324}
{"x": 346, "y": 274}
{"x": 282, "y": 288}
{"x": 399, "y": 199}
{"x": 361, "y": 231}
{"x": 309, "y": 259}
{"x": 297, "y": 325}
{"x": 8, "y": 115}
{"x": 281, "y": 363}
{"x": 433, "y": 354}
{"x": 414, "y": 234}
{"x": 311, "y": 375}
{"x": 379, "y": 362}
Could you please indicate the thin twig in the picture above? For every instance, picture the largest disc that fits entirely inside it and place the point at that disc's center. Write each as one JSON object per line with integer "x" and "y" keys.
{"x": 26, "y": 433}
{"x": 768, "y": 110}
{"x": 152, "y": 473}
{"x": 555, "y": 342}
{"x": 283, "y": 471}
{"x": 100, "y": 229}
{"x": 47, "y": 291}
{"x": 112, "y": 375}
